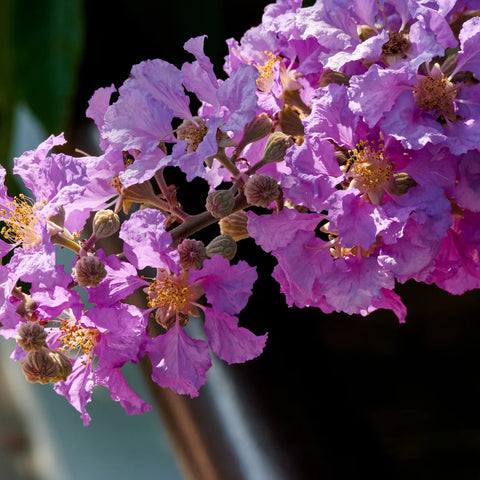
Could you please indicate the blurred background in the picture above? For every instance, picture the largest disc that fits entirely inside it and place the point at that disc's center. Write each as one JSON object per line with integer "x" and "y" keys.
{"x": 332, "y": 397}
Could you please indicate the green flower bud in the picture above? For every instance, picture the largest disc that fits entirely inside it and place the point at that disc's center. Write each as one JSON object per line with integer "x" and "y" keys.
{"x": 261, "y": 190}
{"x": 192, "y": 254}
{"x": 223, "y": 245}
{"x": 276, "y": 147}
{"x": 235, "y": 225}
{"x": 257, "y": 129}
{"x": 105, "y": 224}
{"x": 220, "y": 203}
{"x": 31, "y": 336}
{"x": 89, "y": 271}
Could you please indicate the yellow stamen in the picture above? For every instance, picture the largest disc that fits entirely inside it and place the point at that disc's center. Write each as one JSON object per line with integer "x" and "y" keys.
{"x": 264, "y": 81}
{"x": 369, "y": 168}
{"x": 437, "y": 93}
{"x": 76, "y": 337}
{"x": 168, "y": 293}
{"x": 20, "y": 221}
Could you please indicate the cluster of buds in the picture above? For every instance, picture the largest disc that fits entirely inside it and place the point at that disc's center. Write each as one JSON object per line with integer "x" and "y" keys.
{"x": 41, "y": 364}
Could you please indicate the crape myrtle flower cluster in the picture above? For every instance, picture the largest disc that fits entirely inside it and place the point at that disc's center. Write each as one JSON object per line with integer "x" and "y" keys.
{"x": 352, "y": 127}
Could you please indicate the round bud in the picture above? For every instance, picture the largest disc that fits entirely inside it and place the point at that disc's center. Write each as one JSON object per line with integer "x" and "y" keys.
{"x": 64, "y": 366}
{"x": 257, "y": 129}
{"x": 105, "y": 223}
{"x": 220, "y": 203}
{"x": 276, "y": 146}
{"x": 235, "y": 225}
{"x": 261, "y": 190}
{"x": 40, "y": 366}
{"x": 223, "y": 245}
{"x": 192, "y": 254}
{"x": 89, "y": 271}
{"x": 31, "y": 336}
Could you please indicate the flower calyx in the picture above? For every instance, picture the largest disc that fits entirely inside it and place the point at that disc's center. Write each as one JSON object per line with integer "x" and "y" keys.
{"x": 192, "y": 254}
{"x": 223, "y": 245}
{"x": 105, "y": 224}
{"x": 235, "y": 225}
{"x": 31, "y": 336}
{"x": 220, "y": 203}
{"x": 46, "y": 366}
{"x": 89, "y": 271}
{"x": 261, "y": 190}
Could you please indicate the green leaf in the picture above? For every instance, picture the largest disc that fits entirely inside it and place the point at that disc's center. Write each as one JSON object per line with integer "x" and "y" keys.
{"x": 48, "y": 40}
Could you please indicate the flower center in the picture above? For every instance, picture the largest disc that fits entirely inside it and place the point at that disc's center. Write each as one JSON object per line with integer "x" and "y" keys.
{"x": 192, "y": 133}
{"x": 437, "y": 93}
{"x": 264, "y": 81}
{"x": 173, "y": 298}
{"x": 20, "y": 221}
{"x": 369, "y": 168}
{"x": 396, "y": 47}
{"x": 168, "y": 293}
{"x": 76, "y": 337}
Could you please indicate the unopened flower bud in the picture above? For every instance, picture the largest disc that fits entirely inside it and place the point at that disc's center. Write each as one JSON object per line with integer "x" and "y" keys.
{"x": 223, "y": 245}
{"x": 105, "y": 223}
{"x": 192, "y": 254}
{"x": 235, "y": 225}
{"x": 40, "y": 366}
{"x": 89, "y": 271}
{"x": 276, "y": 147}
{"x": 31, "y": 336}
{"x": 257, "y": 129}
{"x": 290, "y": 122}
{"x": 64, "y": 366}
{"x": 261, "y": 190}
{"x": 220, "y": 203}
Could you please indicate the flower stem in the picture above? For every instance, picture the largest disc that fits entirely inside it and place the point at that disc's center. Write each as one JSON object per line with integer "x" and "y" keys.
{"x": 195, "y": 223}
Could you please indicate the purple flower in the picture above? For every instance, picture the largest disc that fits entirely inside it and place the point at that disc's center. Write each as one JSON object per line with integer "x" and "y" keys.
{"x": 421, "y": 109}
{"x": 58, "y": 179}
{"x": 111, "y": 336}
{"x": 181, "y": 362}
{"x": 457, "y": 266}
{"x": 147, "y": 243}
{"x": 121, "y": 280}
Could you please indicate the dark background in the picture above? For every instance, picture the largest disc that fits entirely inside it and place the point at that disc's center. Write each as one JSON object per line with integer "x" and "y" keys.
{"x": 344, "y": 395}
